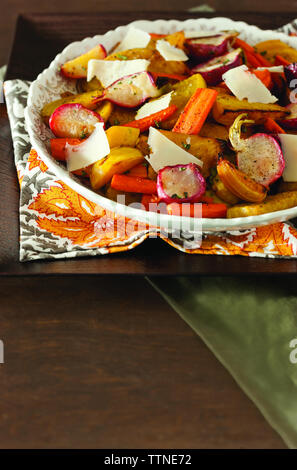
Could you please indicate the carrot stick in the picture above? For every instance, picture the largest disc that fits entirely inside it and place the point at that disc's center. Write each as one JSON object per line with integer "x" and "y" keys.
{"x": 207, "y": 199}
{"x": 58, "y": 147}
{"x": 196, "y": 111}
{"x": 272, "y": 126}
{"x": 252, "y": 60}
{"x": 243, "y": 45}
{"x": 264, "y": 62}
{"x": 133, "y": 184}
{"x": 264, "y": 76}
{"x": 152, "y": 120}
{"x": 250, "y": 51}
{"x": 157, "y": 36}
{"x": 188, "y": 210}
{"x": 148, "y": 199}
{"x": 214, "y": 210}
{"x": 168, "y": 75}
{"x": 138, "y": 170}
{"x": 279, "y": 60}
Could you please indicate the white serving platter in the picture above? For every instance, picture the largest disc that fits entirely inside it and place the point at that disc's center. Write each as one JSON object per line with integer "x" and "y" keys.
{"x": 49, "y": 85}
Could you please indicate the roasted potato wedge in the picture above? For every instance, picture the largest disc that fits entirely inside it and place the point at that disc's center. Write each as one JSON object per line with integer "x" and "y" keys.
{"x": 240, "y": 184}
{"x": 77, "y": 68}
{"x": 138, "y": 53}
{"x": 271, "y": 204}
{"x": 223, "y": 193}
{"x": 83, "y": 85}
{"x": 120, "y": 136}
{"x": 160, "y": 65}
{"x": 119, "y": 160}
{"x": 151, "y": 174}
{"x": 120, "y": 116}
{"x": 105, "y": 109}
{"x": 221, "y": 90}
{"x": 216, "y": 199}
{"x": 269, "y": 49}
{"x": 176, "y": 39}
{"x": 227, "y": 108}
{"x": 206, "y": 149}
{"x": 86, "y": 99}
{"x": 215, "y": 131}
{"x": 142, "y": 145}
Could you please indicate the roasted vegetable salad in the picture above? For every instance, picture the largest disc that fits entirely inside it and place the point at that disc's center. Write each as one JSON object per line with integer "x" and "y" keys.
{"x": 185, "y": 118}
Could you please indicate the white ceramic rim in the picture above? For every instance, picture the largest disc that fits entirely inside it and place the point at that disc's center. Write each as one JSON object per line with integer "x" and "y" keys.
{"x": 252, "y": 33}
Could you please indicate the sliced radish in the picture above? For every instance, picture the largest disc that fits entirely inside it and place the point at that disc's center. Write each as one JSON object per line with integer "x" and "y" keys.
{"x": 206, "y": 48}
{"x": 259, "y": 157}
{"x": 182, "y": 183}
{"x": 213, "y": 70}
{"x": 132, "y": 91}
{"x": 77, "y": 68}
{"x": 73, "y": 120}
{"x": 291, "y": 121}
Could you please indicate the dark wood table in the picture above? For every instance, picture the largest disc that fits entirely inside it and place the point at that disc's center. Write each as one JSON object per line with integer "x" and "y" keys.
{"x": 105, "y": 362}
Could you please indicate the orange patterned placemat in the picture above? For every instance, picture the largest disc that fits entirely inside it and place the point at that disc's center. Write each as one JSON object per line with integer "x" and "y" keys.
{"x": 57, "y": 222}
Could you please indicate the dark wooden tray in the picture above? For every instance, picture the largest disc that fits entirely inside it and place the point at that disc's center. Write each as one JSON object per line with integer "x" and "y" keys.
{"x": 38, "y": 38}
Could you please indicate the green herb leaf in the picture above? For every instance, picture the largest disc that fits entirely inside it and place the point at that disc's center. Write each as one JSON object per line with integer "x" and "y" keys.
{"x": 186, "y": 146}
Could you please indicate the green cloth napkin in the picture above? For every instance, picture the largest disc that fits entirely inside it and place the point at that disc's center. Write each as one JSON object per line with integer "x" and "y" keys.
{"x": 250, "y": 324}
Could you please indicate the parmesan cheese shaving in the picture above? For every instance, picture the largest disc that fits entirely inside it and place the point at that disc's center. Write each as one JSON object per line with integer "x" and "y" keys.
{"x": 91, "y": 150}
{"x": 164, "y": 152}
{"x": 169, "y": 52}
{"x": 245, "y": 84}
{"x": 109, "y": 71}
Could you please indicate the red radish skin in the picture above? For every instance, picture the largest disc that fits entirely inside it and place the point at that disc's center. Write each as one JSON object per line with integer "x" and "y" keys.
{"x": 203, "y": 49}
{"x": 131, "y": 91}
{"x": 291, "y": 121}
{"x": 73, "y": 120}
{"x": 290, "y": 71}
{"x": 182, "y": 183}
{"x": 261, "y": 159}
{"x": 213, "y": 70}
